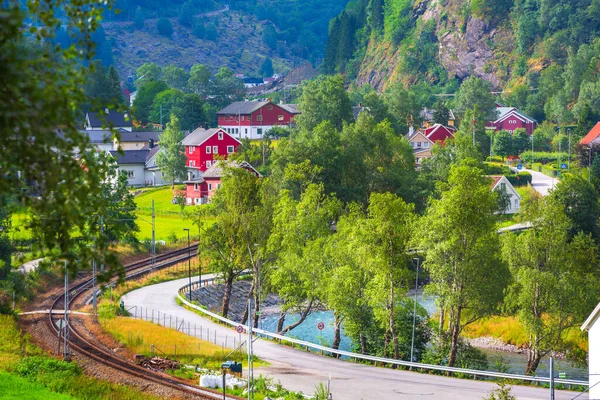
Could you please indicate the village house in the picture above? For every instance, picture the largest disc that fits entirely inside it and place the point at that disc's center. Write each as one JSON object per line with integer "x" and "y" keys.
{"x": 136, "y": 140}
{"x": 423, "y": 140}
{"x": 592, "y": 325}
{"x": 140, "y": 166}
{"x": 509, "y": 119}
{"x": 110, "y": 119}
{"x": 252, "y": 119}
{"x": 203, "y": 145}
{"x": 200, "y": 190}
{"x": 499, "y": 184}
{"x": 427, "y": 115}
{"x": 592, "y": 138}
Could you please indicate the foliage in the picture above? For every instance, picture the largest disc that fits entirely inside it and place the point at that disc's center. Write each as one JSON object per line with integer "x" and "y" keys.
{"x": 171, "y": 157}
{"x": 463, "y": 257}
{"x": 579, "y": 199}
{"x": 521, "y": 179}
{"x": 145, "y": 98}
{"x": 266, "y": 69}
{"x": 503, "y": 144}
{"x": 164, "y": 27}
{"x": 543, "y": 157}
{"x": 324, "y": 99}
{"x": 552, "y": 277}
{"x": 502, "y": 392}
{"x": 175, "y": 77}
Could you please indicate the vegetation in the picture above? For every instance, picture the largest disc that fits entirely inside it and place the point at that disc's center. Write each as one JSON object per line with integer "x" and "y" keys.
{"x": 172, "y": 159}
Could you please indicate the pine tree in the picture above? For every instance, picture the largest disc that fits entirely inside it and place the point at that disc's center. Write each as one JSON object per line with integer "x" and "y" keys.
{"x": 114, "y": 85}
{"x": 266, "y": 69}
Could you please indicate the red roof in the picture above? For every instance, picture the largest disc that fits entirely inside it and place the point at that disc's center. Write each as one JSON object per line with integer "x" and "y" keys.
{"x": 592, "y": 135}
{"x": 495, "y": 179}
{"x": 438, "y": 133}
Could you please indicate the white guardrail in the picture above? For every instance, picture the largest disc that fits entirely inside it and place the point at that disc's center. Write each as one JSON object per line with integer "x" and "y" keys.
{"x": 538, "y": 379}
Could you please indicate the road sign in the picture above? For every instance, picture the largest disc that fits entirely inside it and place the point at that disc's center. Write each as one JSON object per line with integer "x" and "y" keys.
{"x": 563, "y": 166}
{"x": 520, "y": 167}
{"x": 240, "y": 328}
{"x": 60, "y": 323}
{"x": 321, "y": 326}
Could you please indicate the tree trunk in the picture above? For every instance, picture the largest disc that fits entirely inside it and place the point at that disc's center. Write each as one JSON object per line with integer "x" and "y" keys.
{"x": 337, "y": 337}
{"x": 303, "y": 316}
{"x": 227, "y": 296}
{"x": 441, "y": 323}
{"x": 280, "y": 321}
{"x": 245, "y": 315}
{"x": 256, "y": 308}
{"x": 533, "y": 361}
{"x": 455, "y": 338}
{"x": 392, "y": 328}
{"x": 363, "y": 343}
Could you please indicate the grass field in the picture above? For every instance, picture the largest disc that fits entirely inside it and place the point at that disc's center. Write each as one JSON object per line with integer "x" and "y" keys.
{"x": 162, "y": 196}
{"x": 17, "y": 388}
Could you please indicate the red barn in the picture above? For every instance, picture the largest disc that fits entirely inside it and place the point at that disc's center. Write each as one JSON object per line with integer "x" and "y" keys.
{"x": 251, "y": 119}
{"x": 201, "y": 190}
{"x": 202, "y": 145}
{"x": 509, "y": 119}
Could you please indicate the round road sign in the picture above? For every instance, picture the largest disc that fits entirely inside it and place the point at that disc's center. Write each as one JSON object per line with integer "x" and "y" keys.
{"x": 239, "y": 328}
{"x": 321, "y": 326}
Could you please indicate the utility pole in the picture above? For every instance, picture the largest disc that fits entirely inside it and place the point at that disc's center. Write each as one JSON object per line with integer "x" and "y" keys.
{"x": 551, "y": 378}
{"x": 589, "y": 163}
{"x": 189, "y": 264}
{"x": 94, "y": 302}
{"x": 153, "y": 235}
{"x": 102, "y": 234}
{"x": 250, "y": 367}
{"x": 569, "y": 160}
{"x": 412, "y": 343}
{"x": 66, "y": 344}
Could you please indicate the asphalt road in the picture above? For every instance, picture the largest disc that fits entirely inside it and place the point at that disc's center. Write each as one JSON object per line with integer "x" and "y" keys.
{"x": 301, "y": 371}
{"x": 543, "y": 184}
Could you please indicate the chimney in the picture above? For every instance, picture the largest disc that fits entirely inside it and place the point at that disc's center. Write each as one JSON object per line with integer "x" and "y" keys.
{"x": 205, "y": 125}
{"x": 189, "y": 176}
{"x": 411, "y": 130}
{"x": 151, "y": 143}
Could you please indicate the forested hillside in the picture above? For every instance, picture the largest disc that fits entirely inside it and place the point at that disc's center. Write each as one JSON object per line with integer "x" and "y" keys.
{"x": 238, "y": 34}
{"x": 544, "y": 53}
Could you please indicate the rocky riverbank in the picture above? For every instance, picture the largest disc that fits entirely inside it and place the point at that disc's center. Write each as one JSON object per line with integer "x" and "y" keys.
{"x": 488, "y": 342}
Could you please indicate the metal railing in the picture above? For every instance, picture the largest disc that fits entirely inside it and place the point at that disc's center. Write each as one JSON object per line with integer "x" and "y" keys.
{"x": 499, "y": 375}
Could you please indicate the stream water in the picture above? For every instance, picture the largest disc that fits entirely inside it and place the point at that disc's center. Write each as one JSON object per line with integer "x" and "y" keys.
{"x": 513, "y": 362}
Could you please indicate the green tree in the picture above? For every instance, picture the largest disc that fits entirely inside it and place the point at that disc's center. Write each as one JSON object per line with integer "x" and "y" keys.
{"x": 226, "y": 88}
{"x": 463, "y": 251}
{"x": 190, "y": 111}
{"x": 97, "y": 86}
{"x": 199, "y": 79}
{"x": 164, "y": 27}
{"x": 114, "y": 85}
{"x": 404, "y": 109}
{"x": 441, "y": 115}
{"x": 139, "y": 18}
{"x": 475, "y": 95}
{"x": 270, "y": 37}
{"x": 186, "y": 14}
{"x": 521, "y": 141}
{"x": 147, "y": 72}
{"x": 171, "y": 158}
{"x": 266, "y": 69}
{"x": 210, "y": 32}
{"x": 175, "y": 77}
{"x": 145, "y": 98}
{"x": 579, "y": 199}
{"x": 552, "y": 277}
{"x": 324, "y": 99}
{"x": 199, "y": 31}
{"x": 503, "y": 144}
{"x": 163, "y": 105}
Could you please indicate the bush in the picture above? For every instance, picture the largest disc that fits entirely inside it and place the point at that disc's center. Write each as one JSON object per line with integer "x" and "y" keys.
{"x": 164, "y": 27}
{"x": 543, "y": 157}
{"x": 520, "y": 179}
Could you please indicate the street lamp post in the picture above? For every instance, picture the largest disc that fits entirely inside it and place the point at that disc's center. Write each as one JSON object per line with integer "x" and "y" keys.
{"x": 412, "y": 343}
{"x": 189, "y": 264}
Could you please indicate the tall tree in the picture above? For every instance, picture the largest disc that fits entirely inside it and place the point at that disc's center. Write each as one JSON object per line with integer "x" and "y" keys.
{"x": 199, "y": 79}
{"x": 144, "y": 99}
{"x": 555, "y": 282}
{"x": 579, "y": 199}
{"x": 171, "y": 157}
{"x": 114, "y": 85}
{"x": 147, "y": 72}
{"x": 266, "y": 69}
{"x": 463, "y": 251}
{"x": 324, "y": 99}
{"x": 175, "y": 77}
{"x": 475, "y": 95}
{"x": 503, "y": 145}
{"x": 521, "y": 141}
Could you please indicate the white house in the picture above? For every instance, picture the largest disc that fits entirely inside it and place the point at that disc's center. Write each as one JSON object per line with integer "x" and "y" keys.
{"x": 110, "y": 119}
{"x": 593, "y": 327}
{"x": 499, "y": 182}
{"x": 140, "y": 166}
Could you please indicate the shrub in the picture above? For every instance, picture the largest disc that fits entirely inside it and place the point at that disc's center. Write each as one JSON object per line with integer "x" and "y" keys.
{"x": 520, "y": 179}
{"x": 164, "y": 27}
{"x": 543, "y": 157}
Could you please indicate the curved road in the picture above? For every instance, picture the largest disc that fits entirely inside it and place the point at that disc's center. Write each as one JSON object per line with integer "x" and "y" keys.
{"x": 543, "y": 184}
{"x": 301, "y": 371}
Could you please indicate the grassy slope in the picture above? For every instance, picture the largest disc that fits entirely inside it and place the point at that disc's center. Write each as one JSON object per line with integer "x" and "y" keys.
{"x": 17, "y": 388}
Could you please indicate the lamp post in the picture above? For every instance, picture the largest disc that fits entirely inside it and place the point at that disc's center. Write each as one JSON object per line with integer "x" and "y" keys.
{"x": 189, "y": 264}
{"x": 412, "y": 343}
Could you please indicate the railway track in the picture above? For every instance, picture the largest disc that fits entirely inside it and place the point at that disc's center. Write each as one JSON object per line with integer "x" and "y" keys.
{"x": 85, "y": 347}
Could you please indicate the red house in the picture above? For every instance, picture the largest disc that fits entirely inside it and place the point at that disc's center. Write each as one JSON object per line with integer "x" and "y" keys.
{"x": 201, "y": 190}
{"x": 509, "y": 119}
{"x": 251, "y": 119}
{"x": 202, "y": 145}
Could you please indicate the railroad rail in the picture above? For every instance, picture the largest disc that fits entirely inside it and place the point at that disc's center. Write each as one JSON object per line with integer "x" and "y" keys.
{"x": 85, "y": 347}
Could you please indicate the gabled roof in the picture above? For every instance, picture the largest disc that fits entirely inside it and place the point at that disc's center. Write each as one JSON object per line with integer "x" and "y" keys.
{"x": 100, "y": 136}
{"x": 505, "y": 112}
{"x": 201, "y": 135}
{"x": 497, "y": 179}
{"x": 115, "y": 118}
{"x": 243, "y": 107}
{"x": 195, "y": 180}
{"x": 216, "y": 170}
{"x": 592, "y": 135}
{"x": 139, "y": 136}
{"x": 151, "y": 159}
{"x": 591, "y": 319}
{"x": 131, "y": 156}
{"x": 291, "y": 108}
{"x": 438, "y": 133}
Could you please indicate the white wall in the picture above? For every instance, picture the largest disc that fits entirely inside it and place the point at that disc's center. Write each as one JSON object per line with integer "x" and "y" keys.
{"x": 154, "y": 178}
{"x": 594, "y": 361}
{"x": 138, "y": 172}
{"x": 250, "y": 132}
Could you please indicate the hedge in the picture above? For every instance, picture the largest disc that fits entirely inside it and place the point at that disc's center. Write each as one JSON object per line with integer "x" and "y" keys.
{"x": 520, "y": 179}
{"x": 543, "y": 157}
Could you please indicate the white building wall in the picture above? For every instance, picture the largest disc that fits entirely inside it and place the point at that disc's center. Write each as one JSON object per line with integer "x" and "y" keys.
{"x": 594, "y": 361}
{"x": 154, "y": 178}
{"x": 251, "y": 132}
{"x": 136, "y": 173}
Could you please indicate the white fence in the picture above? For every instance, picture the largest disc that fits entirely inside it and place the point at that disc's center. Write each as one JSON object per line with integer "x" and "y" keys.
{"x": 309, "y": 345}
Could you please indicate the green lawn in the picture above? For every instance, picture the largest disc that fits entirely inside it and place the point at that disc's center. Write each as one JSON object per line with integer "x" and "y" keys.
{"x": 164, "y": 226}
{"x": 162, "y": 197}
{"x": 17, "y": 388}
{"x": 18, "y": 229}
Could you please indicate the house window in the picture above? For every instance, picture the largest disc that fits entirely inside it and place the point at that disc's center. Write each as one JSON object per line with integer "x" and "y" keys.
{"x": 516, "y": 202}
{"x": 208, "y": 149}
{"x": 197, "y": 200}
{"x": 192, "y": 163}
{"x": 196, "y": 187}
{"x": 246, "y": 131}
{"x": 130, "y": 174}
{"x": 418, "y": 144}
{"x": 208, "y": 164}
{"x": 237, "y": 130}
{"x": 220, "y": 135}
{"x": 192, "y": 148}
{"x": 259, "y": 131}
{"x": 215, "y": 149}
{"x": 270, "y": 107}
{"x": 280, "y": 118}
{"x": 259, "y": 118}
{"x": 229, "y": 149}
{"x": 412, "y": 144}
{"x": 210, "y": 186}
{"x": 426, "y": 145}
{"x": 218, "y": 186}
